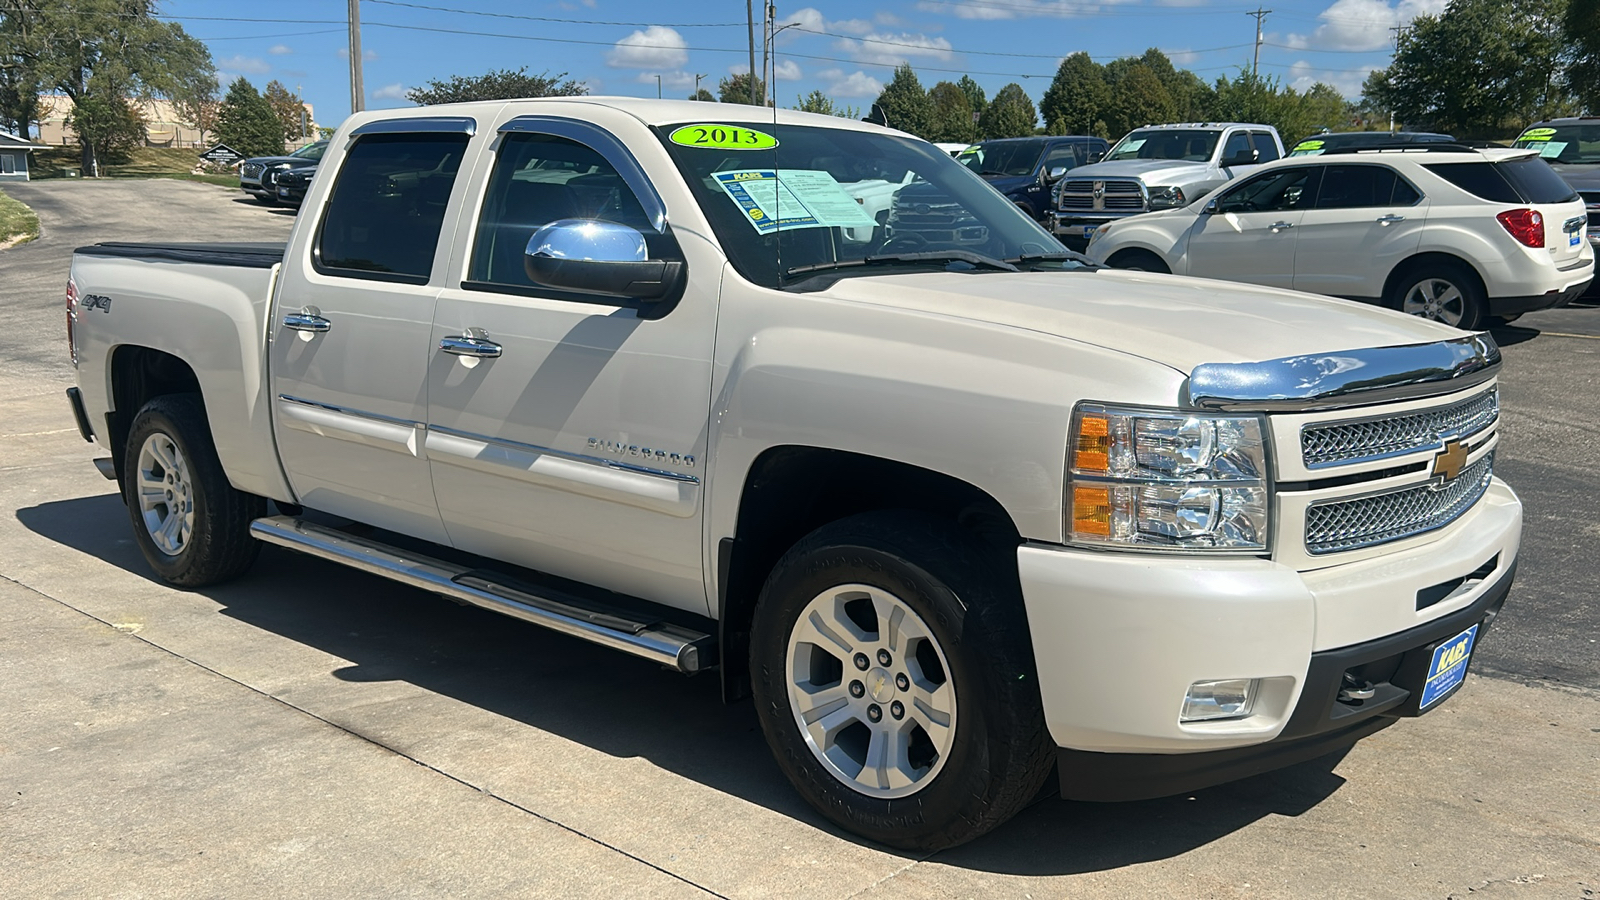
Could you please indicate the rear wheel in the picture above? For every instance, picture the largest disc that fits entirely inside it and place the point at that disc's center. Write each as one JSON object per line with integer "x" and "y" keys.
{"x": 1443, "y": 292}
{"x": 894, "y": 679}
{"x": 191, "y": 524}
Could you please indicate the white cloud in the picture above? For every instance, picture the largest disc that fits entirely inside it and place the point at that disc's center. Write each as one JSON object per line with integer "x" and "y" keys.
{"x": 1014, "y": 9}
{"x": 280, "y": 50}
{"x": 1183, "y": 57}
{"x": 892, "y": 48}
{"x": 787, "y": 70}
{"x": 366, "y": 55}
{"x": 1362, "y": 24}
{"x": 248, "y": 65}
{"x": 394, "y": 91}
{"x": 1302, "y": 75}
{"x": 656, "y": 47}
{"x": 855, "y": 84}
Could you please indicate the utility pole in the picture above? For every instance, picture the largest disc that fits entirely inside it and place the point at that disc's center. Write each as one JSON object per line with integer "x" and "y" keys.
{"x": 357, "y": 93}
{"x": 697, "y": 86}
{"x": 1261, "y": 15}
{"x": 658, "y": 87}
{"x": 767, "y": 13}
{"x": 750, "y": 27}
{"x": 1399, "y": 32}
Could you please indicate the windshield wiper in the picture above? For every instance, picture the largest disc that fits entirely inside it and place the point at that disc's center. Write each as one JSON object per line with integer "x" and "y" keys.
{"x": 1055, "y": 256}
{"x": 938, "y": 256}
{"x": 991, "y": 172}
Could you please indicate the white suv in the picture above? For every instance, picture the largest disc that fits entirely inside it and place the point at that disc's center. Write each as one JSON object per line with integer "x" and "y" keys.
{"x": 1442, "y": 231}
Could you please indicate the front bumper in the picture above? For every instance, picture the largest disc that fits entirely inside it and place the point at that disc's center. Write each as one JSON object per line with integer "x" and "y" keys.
{"x": 1119, "y": 637}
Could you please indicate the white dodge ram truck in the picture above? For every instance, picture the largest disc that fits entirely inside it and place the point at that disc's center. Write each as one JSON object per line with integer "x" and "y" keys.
{"x": 646, "y": 373}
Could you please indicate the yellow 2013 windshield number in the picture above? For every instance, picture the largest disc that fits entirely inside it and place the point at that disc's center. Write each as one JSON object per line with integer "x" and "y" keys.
{"x": 722, "y": 137}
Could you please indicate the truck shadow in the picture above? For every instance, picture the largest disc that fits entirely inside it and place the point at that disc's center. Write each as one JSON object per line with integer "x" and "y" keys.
{"x": 627, "y": 707}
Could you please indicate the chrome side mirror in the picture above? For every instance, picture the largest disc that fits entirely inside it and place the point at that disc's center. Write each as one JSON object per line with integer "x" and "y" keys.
{"x": 596, "y": 256}
{"x": 1056, "y": 173}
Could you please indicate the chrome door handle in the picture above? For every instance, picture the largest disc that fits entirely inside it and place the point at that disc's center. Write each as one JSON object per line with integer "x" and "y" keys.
{"x": 1279, "y": 226}
{"x": 475, "y": 343}
{"x": 309, "y": 318}
{"x": 1388, "y": 220}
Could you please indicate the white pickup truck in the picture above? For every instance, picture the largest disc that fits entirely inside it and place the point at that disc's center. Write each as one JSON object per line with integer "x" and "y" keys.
{"x": 954, "y": 515}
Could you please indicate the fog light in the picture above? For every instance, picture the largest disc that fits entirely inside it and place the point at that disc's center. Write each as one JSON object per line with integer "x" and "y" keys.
{"x": 1228, "y": 699}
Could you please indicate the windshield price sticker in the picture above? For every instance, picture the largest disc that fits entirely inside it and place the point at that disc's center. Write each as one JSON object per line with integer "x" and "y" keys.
{"x": 777, "y": 199}
{"x": 1309, "y": 145}
{"x": 1538, "y": 134}
{"x": 722, "y": 137}
{"x": 1552, "y": 149}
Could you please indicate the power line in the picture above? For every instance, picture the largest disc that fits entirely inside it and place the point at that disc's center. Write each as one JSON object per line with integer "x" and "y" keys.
{"x": 1071, "y": 13}
{"x": 925, "y": 47}
{"x": 499, "y": 15}
{"x": 248, "y": 37}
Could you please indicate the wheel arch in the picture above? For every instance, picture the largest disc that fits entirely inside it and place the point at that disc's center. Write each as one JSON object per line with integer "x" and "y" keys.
{"x": 134, "y": 376}
{"x": 1422, "y": 260}
{"x": 791, "y": 490}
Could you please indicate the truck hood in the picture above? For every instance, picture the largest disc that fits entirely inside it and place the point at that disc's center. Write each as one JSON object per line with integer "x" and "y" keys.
{"x": 1150, "y": 171}
{"x": 1177, "y": 321}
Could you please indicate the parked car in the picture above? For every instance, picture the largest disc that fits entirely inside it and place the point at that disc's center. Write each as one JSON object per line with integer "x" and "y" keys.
{"x": 954, "y": 149}
{"x": 1572, "y": 147}
{"x": 258, "y": 175}
{"x": 1344, "y": 140}
{"x": 1442, "y": 231}
{"x": 953, "y": 514}
{"x": 292, "y": 184}
{"x": 1024, "y": 169}
{"x": 1158, "y": 167}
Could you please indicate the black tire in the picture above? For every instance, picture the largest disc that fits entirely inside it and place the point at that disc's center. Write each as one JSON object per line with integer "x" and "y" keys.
{"x": 1416, "y": 291}
{"x": 1139, "y": 261}
{"x": 967, "y": 594}
{"x": 218, "y": 546}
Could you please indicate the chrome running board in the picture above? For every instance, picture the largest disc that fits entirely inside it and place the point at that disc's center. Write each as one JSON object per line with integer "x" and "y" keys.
{"x": 679, "y": 648}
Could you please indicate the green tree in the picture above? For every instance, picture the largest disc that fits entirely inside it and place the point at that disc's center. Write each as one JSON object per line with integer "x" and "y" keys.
{"x": 287, "y": 107}
{"x": 247, "y": 123}
{"x": 496, "y": 84}
{"x": 1076, "y": 101}
{"x": 199, "y": 110}
{"x": 1581, "y": 28}
{"x": 1138, "y": 99}
{"x": 975, "y": 95}
{"x": 821, "y": 104}
{"x": 100, "y": 50}
{"x": 736, "y": 89}
{"x": 952, "y": 115}
{"x": 1480, "y": 69}
{"x": 1191, "y": 97}
{"x": 111, "y": 125}
{"x": 1009, "y": 114}
{"x": 19, "y": 98}
{"x": 906, "y": 104}
{"x": 703, "y": 94}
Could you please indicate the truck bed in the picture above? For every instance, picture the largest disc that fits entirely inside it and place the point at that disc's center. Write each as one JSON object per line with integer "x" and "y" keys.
{"x": 246, "y": 254}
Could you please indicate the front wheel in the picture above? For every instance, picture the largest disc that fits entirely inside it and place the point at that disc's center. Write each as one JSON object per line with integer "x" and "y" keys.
{"x": 191, "y": 524}
{"x": 894, "y": 679}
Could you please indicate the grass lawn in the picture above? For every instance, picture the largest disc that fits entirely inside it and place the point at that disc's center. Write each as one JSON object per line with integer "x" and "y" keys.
{"x": 147, "y": 162}
{"x": 17, "y": 222}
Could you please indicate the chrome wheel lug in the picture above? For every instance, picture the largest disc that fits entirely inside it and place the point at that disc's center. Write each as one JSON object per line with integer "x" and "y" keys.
{"x": 862, "y": 662}
{"x": 858, "y": 690}
{"x": 902, "y": 683}
{"x": 884, "y": 658}
{"x": 897, "y": 709}
{"x": 875, "y": 713}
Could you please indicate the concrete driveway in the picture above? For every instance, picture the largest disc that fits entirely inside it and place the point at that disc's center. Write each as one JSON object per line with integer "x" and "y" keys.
{"x": 309, "y": 731}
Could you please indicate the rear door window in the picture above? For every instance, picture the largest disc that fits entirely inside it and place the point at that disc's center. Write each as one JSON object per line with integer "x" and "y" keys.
{"x": 387, "y": 206}
{"x": 1352, "y": 186}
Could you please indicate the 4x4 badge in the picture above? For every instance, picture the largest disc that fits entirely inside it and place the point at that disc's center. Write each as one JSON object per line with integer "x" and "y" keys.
{"x": 1449, "y": 462}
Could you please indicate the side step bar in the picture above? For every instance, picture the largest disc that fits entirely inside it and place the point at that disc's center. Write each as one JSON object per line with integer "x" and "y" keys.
{"x": 680, "y": 648}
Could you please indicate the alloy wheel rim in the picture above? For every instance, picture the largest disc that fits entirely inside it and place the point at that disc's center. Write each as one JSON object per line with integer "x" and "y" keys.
{"x": 166, "y": 494}
{"x": 1436, "y": 299}
{"x": 870, "y": 690}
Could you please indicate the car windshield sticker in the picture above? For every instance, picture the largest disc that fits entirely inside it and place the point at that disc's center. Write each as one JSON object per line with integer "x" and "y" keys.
{"x": 722, "y": 137}
{"x": 1308, "y": 145}
{"x": 774, "y": 199}
{"x": 1537, "y": 134}
{"x": 1552, "y": 149}
{"x": 1131, "y": 146}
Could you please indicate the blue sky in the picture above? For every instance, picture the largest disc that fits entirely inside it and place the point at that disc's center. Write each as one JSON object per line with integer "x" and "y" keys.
{"x": 847, "y": 49}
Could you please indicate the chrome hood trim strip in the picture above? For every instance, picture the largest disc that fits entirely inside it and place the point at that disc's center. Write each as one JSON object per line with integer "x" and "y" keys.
{"x": 1345, "y": 378}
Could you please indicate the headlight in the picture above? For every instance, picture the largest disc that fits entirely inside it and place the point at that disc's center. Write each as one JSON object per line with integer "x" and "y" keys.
{"x": 1166, "y": 197}
{"x": 1167, "y": 480}
{"x": 1099, "y": 232}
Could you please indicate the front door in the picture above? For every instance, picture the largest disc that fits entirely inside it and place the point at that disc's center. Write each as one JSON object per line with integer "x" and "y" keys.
{"x": 1366, "y": 221}
{"x": 351, "y": 332}
{"x": 1248, "y": 232}
{"x": 567, "y": 432}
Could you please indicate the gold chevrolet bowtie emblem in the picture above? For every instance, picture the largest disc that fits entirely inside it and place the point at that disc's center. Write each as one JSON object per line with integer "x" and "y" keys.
{"x": 1450, "y": 461}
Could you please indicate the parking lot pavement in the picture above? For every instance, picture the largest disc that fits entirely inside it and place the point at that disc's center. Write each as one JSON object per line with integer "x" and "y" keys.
{"x": 311, "y": 731}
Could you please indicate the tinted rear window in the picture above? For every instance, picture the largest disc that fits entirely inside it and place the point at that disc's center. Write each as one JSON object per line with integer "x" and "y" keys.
{"x": 1536, "y": 181}
{"x": 1527, "y": 180}
{"x": 1479, "y": 179}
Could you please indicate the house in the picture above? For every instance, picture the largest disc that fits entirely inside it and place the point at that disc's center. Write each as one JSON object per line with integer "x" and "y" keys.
{"x": 162, "y": 124}
{"x": 14, "y": 156}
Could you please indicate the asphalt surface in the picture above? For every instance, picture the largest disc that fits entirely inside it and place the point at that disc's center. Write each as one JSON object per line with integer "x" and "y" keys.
{"x": 312, "y": 731}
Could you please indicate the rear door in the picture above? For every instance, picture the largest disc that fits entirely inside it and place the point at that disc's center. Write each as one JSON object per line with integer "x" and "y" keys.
{"x": 351, "y": 329}
{"x": 1248, "y": 232}
{"x": 1366, "y": 220}
{"x": 576, "y": 446}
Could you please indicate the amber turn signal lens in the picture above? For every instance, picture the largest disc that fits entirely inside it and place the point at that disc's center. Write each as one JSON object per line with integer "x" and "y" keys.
{"x": 1093, "y": 453}
{"x": 1091, "y": 510}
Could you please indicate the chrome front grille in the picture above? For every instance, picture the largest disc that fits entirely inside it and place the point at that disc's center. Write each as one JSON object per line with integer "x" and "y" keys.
{"x": 1343, "y": 443}
{"x": 1349, "y": 524}
{"x": 253, "y": 169}
{"x": 1097, "y": 195}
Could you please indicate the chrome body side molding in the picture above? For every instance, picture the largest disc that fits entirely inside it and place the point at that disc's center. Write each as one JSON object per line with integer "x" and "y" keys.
{"x": 670, "y": 645}
{"x": 1346, "y": 378}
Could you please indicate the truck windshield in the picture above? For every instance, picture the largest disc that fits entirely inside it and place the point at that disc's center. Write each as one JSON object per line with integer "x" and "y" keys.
{"x": 1008, "y": 158}
{"x": 1563, "y": 144}
{"x": 1166, "y": 143}
{"x": 813, "y": 200}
